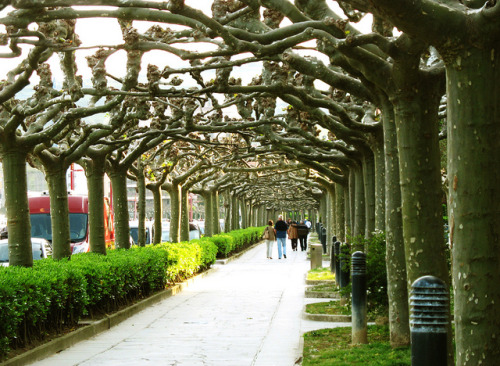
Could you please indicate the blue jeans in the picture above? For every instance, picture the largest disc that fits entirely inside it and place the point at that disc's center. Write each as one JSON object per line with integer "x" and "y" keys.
{"x": 281, "y": 243}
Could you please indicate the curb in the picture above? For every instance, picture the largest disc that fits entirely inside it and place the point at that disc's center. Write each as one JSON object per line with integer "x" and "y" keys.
{"x": 321, "y": 295}
{"x": 98, "y": 326}
{"x": 225, "y": 261}
{"x": 327, "y": 317}
{"x": 320, "y": 282}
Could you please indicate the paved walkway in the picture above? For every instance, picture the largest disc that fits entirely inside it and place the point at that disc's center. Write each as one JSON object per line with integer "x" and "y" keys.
{"x": 247, "y": 312}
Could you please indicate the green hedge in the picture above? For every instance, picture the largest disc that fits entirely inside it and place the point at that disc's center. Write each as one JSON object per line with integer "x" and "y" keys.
{"x": 52, "y": 295}
{"x": 236, "y": 240}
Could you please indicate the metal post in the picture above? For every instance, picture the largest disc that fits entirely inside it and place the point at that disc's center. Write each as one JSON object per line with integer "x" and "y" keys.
{"x": 429, "y": 321}
{"x": 323, "y": 239}
{"x": 358, "y": 265}
{"x": 337, "y": 262}
{"x": 316, "y": 256}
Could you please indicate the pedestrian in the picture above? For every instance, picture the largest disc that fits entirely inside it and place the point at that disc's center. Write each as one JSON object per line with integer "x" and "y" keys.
{"x": 293, "y": 235}
{"x": 280, "y": 229}
{"x": 302, "y": 231}
{"x": 270, "y": 236}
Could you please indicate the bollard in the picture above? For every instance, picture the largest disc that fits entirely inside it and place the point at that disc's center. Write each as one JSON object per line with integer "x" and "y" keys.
{"x": 428, "y": 322}
{"x": 337, "y": 262}
{"x": 323, "y": 239}
{"x": 316, "y": 256}
{"x": 358, "y": 296}
{"x": 332, "y": 255}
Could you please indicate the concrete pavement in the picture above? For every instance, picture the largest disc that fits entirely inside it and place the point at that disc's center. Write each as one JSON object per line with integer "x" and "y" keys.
{"x": 246, "y": 312}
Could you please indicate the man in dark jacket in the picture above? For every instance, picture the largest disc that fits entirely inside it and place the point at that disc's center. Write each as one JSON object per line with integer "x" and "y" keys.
{"x": 280, "y": 228}
{"x": 302, "y": 231}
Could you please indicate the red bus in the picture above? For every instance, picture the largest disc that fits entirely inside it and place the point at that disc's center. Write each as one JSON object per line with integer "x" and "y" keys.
{"x": 78, "y": 221}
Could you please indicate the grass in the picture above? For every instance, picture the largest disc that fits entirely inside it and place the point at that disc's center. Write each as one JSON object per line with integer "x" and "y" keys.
{"x": 332, "y": 347}
{"x": 330, "y": 308}
{"x": 324, "y": 287}
{"x": 320, "y": 274}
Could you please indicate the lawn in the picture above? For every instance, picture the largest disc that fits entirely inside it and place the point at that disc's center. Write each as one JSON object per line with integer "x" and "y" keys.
{"x": 332, "y": 347}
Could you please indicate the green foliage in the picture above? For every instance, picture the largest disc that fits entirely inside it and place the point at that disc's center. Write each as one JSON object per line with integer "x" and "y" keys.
{"x": 376, "y": 271}
{"x": 327, "y": 347}
{"x": 51, "y": 294}
{"x": 321, "y": 274}
{"x": 236, "y": 240}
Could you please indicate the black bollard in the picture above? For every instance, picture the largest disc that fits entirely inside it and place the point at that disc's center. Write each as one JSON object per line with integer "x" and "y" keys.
{"x": 332, "y": 255}
{"x": 323, "y": 239}
{"x": 358, "y": 280}
{"x": 428, "y": 322}
{"x": 337, "y": 262}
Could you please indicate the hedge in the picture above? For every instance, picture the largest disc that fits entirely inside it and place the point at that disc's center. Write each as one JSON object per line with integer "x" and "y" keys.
{"x": 53, "y": 295}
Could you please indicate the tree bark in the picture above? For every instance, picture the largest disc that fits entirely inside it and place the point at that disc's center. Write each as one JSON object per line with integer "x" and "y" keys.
{"x": 175, "y": 213}
{"x": 215, "y": 212}
{"x": 16, "y": 202}
{"x": 340, "y": 212}
{"x": 94, "y": 170}
{"x": 368, "y": 167}
{"x": 156, "y": 190}
{"x": 59, "y": 212}
{"x": 184, "y": 228}
{"x": 120, "y": 208}
{"x": 141, "y": 205}
{"x": 397, "y": 290}
{"x": 474, "y": 191}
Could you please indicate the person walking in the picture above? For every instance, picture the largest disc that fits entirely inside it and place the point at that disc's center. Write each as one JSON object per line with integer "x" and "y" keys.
{"x": 302, "y": 232}
{"x": 280, "y": 229}
{"x": 270, "y": 236}
{"x": 293, "y": 235}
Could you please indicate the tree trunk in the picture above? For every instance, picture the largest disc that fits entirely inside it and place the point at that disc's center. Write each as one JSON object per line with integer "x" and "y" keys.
{"x": 175, "y": 212}
{"x": 158, "y": 212}
{"x": 378, "y": 154}
{"x": 397, "y": 290}
{"x": 235, "y": 213}
{"x": 16, "y": 202}
{"x": 184, "y": 229}
{"x": 474, "y": 191}
{"x": 207, "y": 198}
{"x": 352, "y": 207}
{"x": 120, "y": 209}
{"x": 59, "y": 212}
{"x": 420, "y": 176}
{"x": 347, "y": 211}
{"x": 359, "y": 202}
{"x": 340, "y": 212}
{"x": 215, "y": 212}
{"x": 141, "y": 205}
{"x": 415, "y": 110}
{"x": 368, "y": 168}
{"x": 94, "y": 169}
{"x": 244, "y": 216}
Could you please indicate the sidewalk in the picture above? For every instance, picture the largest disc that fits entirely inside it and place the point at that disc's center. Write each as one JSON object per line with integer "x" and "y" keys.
{"x": 247, "y": 312}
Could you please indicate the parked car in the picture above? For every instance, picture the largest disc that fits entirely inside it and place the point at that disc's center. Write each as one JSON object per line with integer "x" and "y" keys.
{"x": 41, "y": 249}
{"x": 194, "y": 231}
{"x": 134, "y": 232}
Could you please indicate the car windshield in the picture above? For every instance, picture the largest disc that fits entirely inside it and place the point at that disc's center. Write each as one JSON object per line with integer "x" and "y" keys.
{"x": 41, "y": 228}
{"x": 4, "y": 253}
